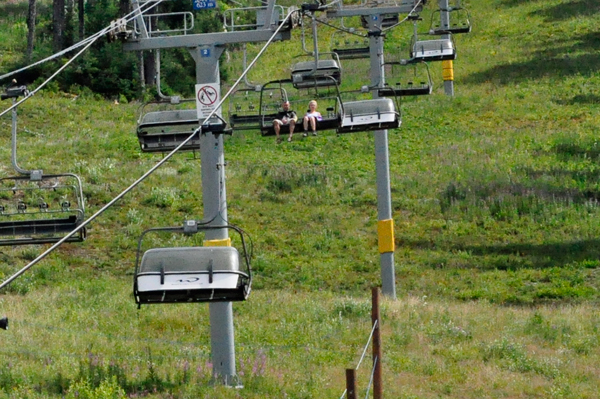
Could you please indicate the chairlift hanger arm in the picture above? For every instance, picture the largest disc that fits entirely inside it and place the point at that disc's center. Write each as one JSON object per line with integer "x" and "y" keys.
{"x": 201, "y": 226}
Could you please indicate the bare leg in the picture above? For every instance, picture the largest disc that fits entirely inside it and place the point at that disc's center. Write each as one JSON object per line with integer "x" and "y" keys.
{"x": 305, "y": 123}
{"x": 292, "y": 127}
{"x": 313, "y": 124}
{"x": 277, "y": 128}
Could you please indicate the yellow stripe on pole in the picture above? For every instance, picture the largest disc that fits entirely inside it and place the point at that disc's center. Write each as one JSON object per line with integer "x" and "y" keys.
{"x": 447, "y": 70}
{"x": 225, "y": 242}
{"x": 385, "y": 231}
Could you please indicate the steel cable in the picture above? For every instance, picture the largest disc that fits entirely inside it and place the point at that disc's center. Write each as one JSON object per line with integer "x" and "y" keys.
{"x": 151, "y": 170}
{"x": 101, "y": 32}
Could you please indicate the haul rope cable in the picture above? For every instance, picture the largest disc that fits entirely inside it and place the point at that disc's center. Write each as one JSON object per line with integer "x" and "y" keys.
{"x": 405, "y": 18}
{"x": 127, "y": 17}
{"x": 372, "y": 376}
{"x": 151, "y": 170}
{"x": 31, "y": 93}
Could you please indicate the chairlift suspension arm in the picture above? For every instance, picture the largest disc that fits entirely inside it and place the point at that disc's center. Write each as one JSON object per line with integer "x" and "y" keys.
{"x": 14, "y": 141}
{"x": 145, "y": 175}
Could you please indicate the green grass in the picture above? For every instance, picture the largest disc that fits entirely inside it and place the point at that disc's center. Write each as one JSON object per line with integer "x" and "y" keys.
{"x": 495, "y": 201}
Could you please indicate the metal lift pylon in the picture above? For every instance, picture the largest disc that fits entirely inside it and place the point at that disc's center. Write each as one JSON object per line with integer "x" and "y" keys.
{"x": 206, "y": 53}
{"x": 385, "y": 226}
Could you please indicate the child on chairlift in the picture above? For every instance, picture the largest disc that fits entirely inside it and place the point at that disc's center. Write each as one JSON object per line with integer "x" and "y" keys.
{"x": 311, "y": 117}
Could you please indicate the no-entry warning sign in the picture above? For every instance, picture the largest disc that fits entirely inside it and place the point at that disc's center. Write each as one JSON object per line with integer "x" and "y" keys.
{"x": 208, "y": 96}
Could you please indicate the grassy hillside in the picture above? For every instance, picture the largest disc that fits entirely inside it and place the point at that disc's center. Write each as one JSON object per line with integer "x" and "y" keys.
{"x": 495, "y": 200}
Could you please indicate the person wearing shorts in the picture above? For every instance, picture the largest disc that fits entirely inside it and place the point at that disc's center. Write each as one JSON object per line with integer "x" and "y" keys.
{"x": 311, "y": 117}
{"x": 285, "y": 117}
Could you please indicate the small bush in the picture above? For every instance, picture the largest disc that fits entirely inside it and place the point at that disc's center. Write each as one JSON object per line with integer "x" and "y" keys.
{"x": 108, "y": 389}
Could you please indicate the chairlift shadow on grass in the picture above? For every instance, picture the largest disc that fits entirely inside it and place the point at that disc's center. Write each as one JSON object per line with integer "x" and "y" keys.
{"x": 569, "y": 196}
{"x": 536, "y": 68}
{"x": 508, "y": 202}
{"x": 567, "y": 151}
{"x": 587, "y": 43}
{"x": 554, "y": 60}
{"x": 580, "y": 99}
{"x": 541, "y": 256}
{"x": 567, "y": 10}
{"x": 519, "y": 256}
{"x": 516, "y": 3}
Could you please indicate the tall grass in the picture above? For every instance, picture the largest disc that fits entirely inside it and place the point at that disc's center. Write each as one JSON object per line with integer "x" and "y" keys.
{"x": 495, "y": 203}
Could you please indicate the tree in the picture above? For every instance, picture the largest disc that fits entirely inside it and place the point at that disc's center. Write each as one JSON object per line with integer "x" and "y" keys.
{"x": 69, "y": 26}
{"x": 124, "y": 7}
{"x": 58, "y": 24}
{"x": 31, "y": 16}
{"x": 81, "y": 17}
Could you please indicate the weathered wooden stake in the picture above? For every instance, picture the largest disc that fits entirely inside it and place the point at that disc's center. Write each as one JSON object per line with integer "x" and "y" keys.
{"x": 351, "y": 383}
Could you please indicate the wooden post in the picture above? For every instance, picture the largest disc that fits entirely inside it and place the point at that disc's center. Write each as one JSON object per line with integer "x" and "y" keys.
{"x": 351, "y": 383}
{"x": 377, "y": 386}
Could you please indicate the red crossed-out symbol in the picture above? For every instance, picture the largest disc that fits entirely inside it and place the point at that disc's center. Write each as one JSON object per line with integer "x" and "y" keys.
{"x": 207, "y": 95}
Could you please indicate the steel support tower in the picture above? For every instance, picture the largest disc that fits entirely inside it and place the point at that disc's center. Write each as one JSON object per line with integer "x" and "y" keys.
{"x": 385, "y": 225}
{"x": 206, "y": 48}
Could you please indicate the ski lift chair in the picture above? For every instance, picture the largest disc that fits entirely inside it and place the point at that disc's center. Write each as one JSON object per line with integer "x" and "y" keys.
{"x": 368, "y": 115}
{"x": 41, "y": 209}
{"x": 164, "y": 130}
{"x": 243, "y": 112}
{"x": 37, "y": 208}
{"x": 349, "y": 48}
{"x": 350, "y": 51}
{"x": 417, "y": 85}
{"x": 432, "y": 49}
{"x": 329, "y": 102}
{"x": 317, "y": 73}
{"x": 193, "y": 273}
{"x": 458, "y": 22}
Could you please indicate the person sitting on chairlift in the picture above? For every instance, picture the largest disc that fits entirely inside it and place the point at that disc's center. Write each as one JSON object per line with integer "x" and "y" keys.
{"x": 311, "y": 117}
{"x": 285, "y": 117}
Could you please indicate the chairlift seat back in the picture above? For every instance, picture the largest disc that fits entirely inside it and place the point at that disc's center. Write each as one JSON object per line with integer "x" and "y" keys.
{"x": 330, "y": 119}
{"x": 433, "y": 50}
{"x": 454, "y": 30}
{"x": 375, "y": 114}
{"x": 421, "y": 89}
{"x": 41, "y": 211}
{"x": 190, "y": 274}
{"x": 352, "y": 52}
{"x": 457, "y": 22}
{"x": 248, "y": 122}
{"x": 41, "y": 231}
{"x": 244, "y": 113}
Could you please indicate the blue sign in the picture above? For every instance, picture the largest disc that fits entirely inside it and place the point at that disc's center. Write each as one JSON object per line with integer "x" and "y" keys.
{"x": 204, "y": 4}
{"x": 205, "y": 52}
